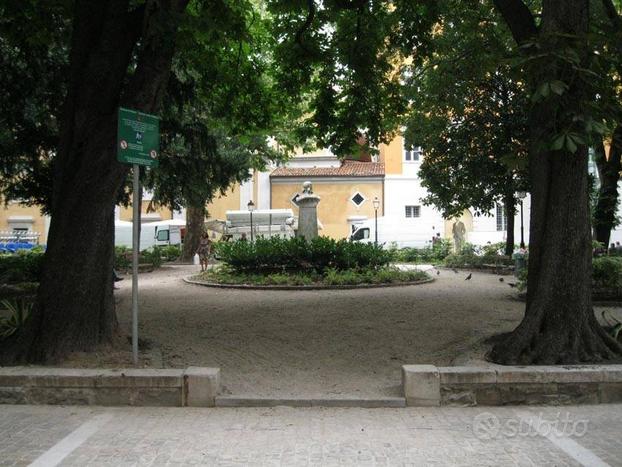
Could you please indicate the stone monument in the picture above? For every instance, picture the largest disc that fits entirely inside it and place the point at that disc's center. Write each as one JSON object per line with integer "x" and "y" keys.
{"x": 458, "y": 230}
{"x": 307, "y": 212}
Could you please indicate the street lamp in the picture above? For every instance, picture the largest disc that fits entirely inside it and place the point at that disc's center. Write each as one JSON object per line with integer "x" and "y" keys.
{"x": 251, "y": 208}
{"x": 376, "y": 203}
{"x": 521, "y": 195}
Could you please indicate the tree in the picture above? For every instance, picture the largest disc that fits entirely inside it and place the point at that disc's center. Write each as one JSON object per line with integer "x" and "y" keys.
{"x": 609, "y": 168}
{"x": 220, "y": 108}
{"x": 559, "y": 325}
{"x": 120, "y": 53}
{"x": 468, "y": 112}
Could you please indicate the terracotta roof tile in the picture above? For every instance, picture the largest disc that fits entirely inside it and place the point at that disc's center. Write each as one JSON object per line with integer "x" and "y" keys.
{"x": 347, "y": 169}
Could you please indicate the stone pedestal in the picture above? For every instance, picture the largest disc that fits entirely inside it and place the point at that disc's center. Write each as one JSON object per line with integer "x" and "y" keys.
{"x": 307, "y": 213}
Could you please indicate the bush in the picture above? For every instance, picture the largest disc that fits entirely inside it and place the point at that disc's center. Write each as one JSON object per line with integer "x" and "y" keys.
{"x": 430, "y": 254}
{"x": 122, "y": 257}
{"x": 18, "y": 313}
{"x": 296, "y": 254}
{"x": 23, "y": 266}
{"x": 170, "y": 252}
{"x": 331, "y": 276}
{"x": 607, "y": 272}
{"x": 151, "y": 256}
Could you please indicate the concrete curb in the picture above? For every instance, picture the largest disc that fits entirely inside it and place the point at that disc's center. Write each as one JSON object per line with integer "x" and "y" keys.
{"x": 368, "y": 403}
{"x": 428, "y": 385}
{"x": 216, "y": 285}
{"x": 192, "y": 387}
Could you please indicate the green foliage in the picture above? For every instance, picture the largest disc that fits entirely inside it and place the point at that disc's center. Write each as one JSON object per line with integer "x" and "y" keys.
{"x": 18, "y": 313}
{"x": 607, "y": 272}
{"x": 122, "y": 257}
{"x": 151, "y": 256}
{"x": 475, "y": 257}
{"x": 469, "y": 113}
{"x": 330, "y": 276}
{"x": 431, "y": 254}
{"x": 296, "y": 254}
{"x": 170, "y": 253}
{"x": 21, "y": 267}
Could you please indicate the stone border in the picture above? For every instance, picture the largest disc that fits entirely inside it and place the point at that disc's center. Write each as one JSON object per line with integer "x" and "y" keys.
{"x": 192, "y": 387}
{"x": 216, "y": 285}
{"x": 428, "y": 385}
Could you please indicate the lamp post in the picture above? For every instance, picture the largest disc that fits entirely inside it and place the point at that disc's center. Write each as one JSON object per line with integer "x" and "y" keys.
{"x": 521, "y": 195}
{"x": 251, "y": 208}
{"x": 376, "y": 203}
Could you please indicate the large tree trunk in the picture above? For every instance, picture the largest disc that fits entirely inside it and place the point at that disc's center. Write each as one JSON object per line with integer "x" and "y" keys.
{"x": 75, "y": 306}
{"x": 510, "y": 211}
{"x": 559, "y": 325}
{"x": 609, "y": 174}
{"x": 194, "y": 228}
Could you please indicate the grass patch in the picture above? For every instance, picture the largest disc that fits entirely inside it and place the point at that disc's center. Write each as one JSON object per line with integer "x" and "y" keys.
{"x": 386, "y": 275}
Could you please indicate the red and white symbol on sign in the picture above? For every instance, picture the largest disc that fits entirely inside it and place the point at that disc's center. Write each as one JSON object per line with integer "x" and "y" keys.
{"x": 153, "y": 154}
{"x": 123, "y": 144}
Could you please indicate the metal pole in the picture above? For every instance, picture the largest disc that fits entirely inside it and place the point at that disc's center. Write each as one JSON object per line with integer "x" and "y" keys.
{"x": 251, "y": 226}
{"x": 135, "y": 249}
{"x": 376, "y": 212}
{"x": 522, "y": 232}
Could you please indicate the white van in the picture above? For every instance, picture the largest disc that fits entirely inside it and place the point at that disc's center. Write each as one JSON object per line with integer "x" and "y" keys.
{"x": 399, "y": 233}
{"x": 161, "y": 233}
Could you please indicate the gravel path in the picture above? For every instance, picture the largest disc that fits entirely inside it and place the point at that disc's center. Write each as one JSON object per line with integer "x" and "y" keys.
{"x": 314, "y": 343}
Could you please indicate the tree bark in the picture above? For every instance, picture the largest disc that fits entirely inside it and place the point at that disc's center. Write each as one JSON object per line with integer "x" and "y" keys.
{"x": 559, "y": 326}
{"x": 194, "y": 228}
{"x": 609, "y": 174}
{"x": 510, "y": 211}
{"x": 75, "y": 304}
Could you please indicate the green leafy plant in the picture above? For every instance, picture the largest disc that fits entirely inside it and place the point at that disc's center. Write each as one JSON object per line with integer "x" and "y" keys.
{"x": 24, "y": 266}
{"x": 271, "y": 255}
{"x": 18, "y": 313}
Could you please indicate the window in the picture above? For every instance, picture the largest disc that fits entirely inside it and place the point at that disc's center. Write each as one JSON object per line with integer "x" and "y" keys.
{"x": 502, "y": 219}
{"x": 412, "y": 155}
{"x": 358, "y": 199}
{"x": 413, "y": 211}
{"x": 361, "y": 234}
{"x": 163, "y": 236}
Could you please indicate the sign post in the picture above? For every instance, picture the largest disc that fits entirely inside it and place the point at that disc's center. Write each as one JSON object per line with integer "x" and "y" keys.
{"x": 138, "y": 143}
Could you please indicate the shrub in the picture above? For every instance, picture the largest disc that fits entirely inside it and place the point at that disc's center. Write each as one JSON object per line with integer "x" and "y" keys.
{"x": 170, "y": 252}
{"x": 18, "y": 313}
{"x": 23, "y": 266}
{"x": 151, "y": 256}
{"x": 296, "y": 254}
{"x": 122, "y": 257}
{"x": 607, "y": 272}
{"x": 429, "y": 254}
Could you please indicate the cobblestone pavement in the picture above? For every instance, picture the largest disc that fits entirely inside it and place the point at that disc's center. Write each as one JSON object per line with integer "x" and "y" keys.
{"x": 518, "y": 436}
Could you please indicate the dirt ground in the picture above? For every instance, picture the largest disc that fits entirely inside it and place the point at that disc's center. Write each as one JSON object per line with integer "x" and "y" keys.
{"x": 313, "y": 343}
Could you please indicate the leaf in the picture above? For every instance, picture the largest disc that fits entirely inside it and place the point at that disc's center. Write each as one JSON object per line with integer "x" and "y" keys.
{"x": 570, "y": 145}
{"x": 558, "y": 87}
{"x": 558, "y": 143}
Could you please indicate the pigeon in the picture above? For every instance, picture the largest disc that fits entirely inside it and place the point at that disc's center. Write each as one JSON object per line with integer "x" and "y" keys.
{"x": 512, "y": 284}
{"x": 468, "y": 278}
{"x": 455, "y": 271}
{"x": 438, "y": 273}
{"x": 501, "y": 279}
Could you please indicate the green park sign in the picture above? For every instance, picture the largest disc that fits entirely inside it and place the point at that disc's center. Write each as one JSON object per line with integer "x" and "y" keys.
{"x": 138, "y": 138}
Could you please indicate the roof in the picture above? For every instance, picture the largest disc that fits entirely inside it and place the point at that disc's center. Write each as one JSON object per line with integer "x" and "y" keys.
{"x": 347, "y": 169}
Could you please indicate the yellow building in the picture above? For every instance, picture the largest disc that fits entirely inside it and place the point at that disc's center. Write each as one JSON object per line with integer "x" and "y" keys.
{"x": 24, "y": 221}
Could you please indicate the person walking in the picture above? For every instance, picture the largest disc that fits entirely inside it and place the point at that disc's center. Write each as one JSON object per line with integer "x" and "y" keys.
{"x": 203, "y": 251}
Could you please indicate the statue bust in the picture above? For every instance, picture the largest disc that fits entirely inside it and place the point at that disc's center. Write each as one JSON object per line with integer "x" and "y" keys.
{"x": 307, "y": 188}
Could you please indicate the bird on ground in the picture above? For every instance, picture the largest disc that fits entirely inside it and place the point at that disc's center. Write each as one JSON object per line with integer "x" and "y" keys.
{"x": 455, "y": 271}
{"x": 438, "y": 273}
{"x": 501, "y": 279}
{"x": 512, "y": 284}
{"x": 468, "y": 278}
